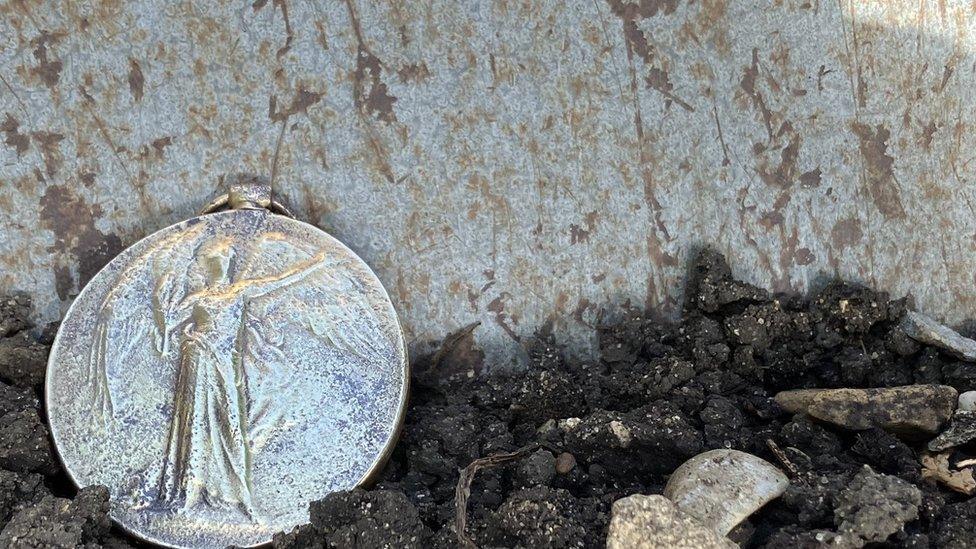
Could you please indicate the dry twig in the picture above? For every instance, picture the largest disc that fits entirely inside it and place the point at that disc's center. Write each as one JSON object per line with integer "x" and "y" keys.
{"x": 463, "y": 490}
{"x": 781, "y": 456}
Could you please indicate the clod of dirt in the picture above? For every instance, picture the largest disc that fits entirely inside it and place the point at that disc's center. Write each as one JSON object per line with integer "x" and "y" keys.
{"x": 22, "y": 360}
{"x": 360, "y": 519}
{"x": 542, "y": 517}
{"x": 654, "y": 522}
{"x": 873, "y": 507}
{"x": 24, "y": 443}
{"x": 14, "y": 314}
{"x": 60, "y": 523}
{"x": 911, "y": 411}
{"x": 925, "y": 329}
{"x": 956, "y": 526}
{"x": 19, "y": 490}
{"x": 721, "y": 488}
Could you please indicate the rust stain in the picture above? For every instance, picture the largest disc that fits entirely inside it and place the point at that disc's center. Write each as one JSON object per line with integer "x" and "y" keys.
{"x": 811, "y": 178}
{"x": 49, "y": 71}
{"x": 75, "y": 236}
{"x": 946, "y": 74}
{"x": 631, "y": 12}
{"x": 289, "y": 35}
{"x": 415, "y": 73}
{"x": 370, "y": 93}
{"x": 580, "y": 234}
{"x": 804, "y": 257}
{"x": 49, "y": 143}
{"x": 502, "y": 318}
{"x": 878, "y": 170}
{"x": 299, "y": 104}
{"x": 846, "y": 233}
{"x": 159, "y": 145}
{"x": 10, "y": 127}
{"x": 658, "y": 79}
{"x": 748, "y": 85}
{"x": 928, "y": 132}
{"x": 136, "y": 80}
{"x": 784, "y": 174}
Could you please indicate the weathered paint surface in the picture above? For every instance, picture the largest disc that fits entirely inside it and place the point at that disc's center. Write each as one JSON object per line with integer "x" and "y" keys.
{"x": 519, "y": 163}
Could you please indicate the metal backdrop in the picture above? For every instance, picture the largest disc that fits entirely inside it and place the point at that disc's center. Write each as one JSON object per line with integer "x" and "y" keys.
{"x": 518, "y": 163}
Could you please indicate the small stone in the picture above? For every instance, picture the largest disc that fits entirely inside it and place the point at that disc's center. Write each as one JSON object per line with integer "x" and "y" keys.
{"x": 967, "y": 401}
{"x": 873, "y": 507}
{"x": 565, "y": 462}
{"x": 654, "y": 522}
{"x": 536, "y": 469}
{"x": 926, "y": 330}
{"x": 721, "y": 488}
{"x": 910, "y": 410}
{"x": 961, "y": 429}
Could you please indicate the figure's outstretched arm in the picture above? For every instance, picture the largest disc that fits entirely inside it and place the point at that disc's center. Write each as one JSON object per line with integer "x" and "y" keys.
{"x": 259, "y": 286}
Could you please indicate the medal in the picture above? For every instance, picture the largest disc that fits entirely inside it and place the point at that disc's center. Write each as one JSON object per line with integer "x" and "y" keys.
{"x": 222, "y": 373}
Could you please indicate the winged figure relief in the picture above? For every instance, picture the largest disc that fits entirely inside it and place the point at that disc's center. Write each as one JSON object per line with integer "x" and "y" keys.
{"x": 207, "y": 320}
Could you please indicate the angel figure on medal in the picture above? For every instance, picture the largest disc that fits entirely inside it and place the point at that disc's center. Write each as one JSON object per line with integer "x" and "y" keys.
{"x": 205, "y": 317}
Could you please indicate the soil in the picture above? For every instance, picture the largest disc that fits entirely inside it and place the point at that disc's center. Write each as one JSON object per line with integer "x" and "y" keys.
{"x": 571, "y": 436}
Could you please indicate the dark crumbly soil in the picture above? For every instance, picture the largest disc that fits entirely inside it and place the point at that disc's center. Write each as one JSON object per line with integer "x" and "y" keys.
{"x": 659, "y": 394}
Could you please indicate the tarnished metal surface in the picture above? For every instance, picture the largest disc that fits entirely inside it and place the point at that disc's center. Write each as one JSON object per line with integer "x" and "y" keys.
{"x": 519, "y": 163}
{"x": 223, "y": 373}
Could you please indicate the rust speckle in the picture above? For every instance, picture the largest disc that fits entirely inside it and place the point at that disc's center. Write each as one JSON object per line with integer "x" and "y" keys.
{"x": 878, "y": 169}
{"x": 47, "y": 70}
{"x": 136, "y": 80}
{"x": 14, "y": 138}
{"x": 75, "y": 236}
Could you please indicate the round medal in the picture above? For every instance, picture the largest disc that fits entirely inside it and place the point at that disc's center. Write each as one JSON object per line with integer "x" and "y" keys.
{"x": 222, "y": 373}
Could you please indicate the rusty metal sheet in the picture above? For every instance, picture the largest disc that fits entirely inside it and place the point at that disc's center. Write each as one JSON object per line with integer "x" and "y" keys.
{"x": 518, "y": 163}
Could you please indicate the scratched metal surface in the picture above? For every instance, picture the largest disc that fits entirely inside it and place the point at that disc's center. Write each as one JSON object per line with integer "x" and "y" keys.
{"x": 518, "y": 163}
